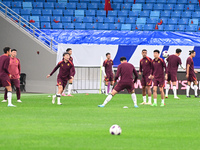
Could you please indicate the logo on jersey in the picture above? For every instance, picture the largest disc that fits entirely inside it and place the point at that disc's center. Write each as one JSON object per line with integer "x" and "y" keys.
{"x": 146, "y": 61}
{"x": 62, "y": 65}
{"x": 158, "y": 61}
{"x": 68, "y": 64}
{"x": 59, "y": 82}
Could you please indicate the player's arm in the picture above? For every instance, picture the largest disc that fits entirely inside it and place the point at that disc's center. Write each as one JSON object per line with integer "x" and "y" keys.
{"x": 72, "y": 71}
{"x": 165, "y": 67}
{"x": 180, "y": 64}
{"x": 54, "y": 70}
{"x": 117, "y": 74}
{"x": 19, "y": 67}
{"x": 103, "y": 68}
{"x": 6, "y": 65}
{"x": 152, "y": 71}
{"x": 136, "y": 74}
{"x": 187, "y": 70}
{"x": 140, "y": 69}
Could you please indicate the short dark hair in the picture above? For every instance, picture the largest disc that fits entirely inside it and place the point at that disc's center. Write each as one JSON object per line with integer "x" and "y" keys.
{"x": 144, "y": 50}
{"x": 122, "y": 58}
{"x": 191, "y": 52}
{"x": 68, "y": 49}
{"x": 107, "y": 54}
{"x": 6, "y": 49}
{"x": 178, "y": 50}
{"x": 13, "y": 50}
{"x": 156, "y": 51}
{"x": 66, "y": 54}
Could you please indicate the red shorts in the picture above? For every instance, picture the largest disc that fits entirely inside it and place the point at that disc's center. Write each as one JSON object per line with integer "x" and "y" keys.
{"x": 192, "y": 78}
{"x": 159, "y": 82}
{"x": 62, "y": 82}
{"x": 172, "y": 76}
{"x": 15, "y": 82}
{"x": 121, "y": 86}
{"x": 109, "y": 77}
{"x": 5, "y": 81}
{"x": 146, "y": 81}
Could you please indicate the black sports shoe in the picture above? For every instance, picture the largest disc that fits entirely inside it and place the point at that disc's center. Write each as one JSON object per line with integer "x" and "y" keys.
{"x": 189, "y": 96}
{"x": 197, "y": 96}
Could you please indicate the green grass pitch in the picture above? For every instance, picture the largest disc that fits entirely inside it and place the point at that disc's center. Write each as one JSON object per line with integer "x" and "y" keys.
{"x": 80, "y": 124}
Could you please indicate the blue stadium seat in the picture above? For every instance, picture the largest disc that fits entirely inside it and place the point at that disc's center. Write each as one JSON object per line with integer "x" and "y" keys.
{"x": 79, "y": 13}
{"x": 99, "y": 19}
{"x": 116, "y": 6}
{"x": 82, "y": 6}
{"x": 193, "y": 22}
{"x": 27, "y": 18}
{"x": 77, "y": 19}
{"x": 91, "y": 26}
{"x": 109, "y": 20}
{"x": 144, "y": 13}
{"x": 25, "y": 12}
{"x": 192, "y": 1}
{"x": 51, "y": 1}
{"x": 191, "y": 28}
{"x": 176, "y": 14}
{"x": 171, "y": 1}
{"x": 147, "y": 6}
{"x": 137, "y": 27}
{"x": 36, "y": 12}
{"x": 47, "y": 12}
{"x": 90, "y": 13}
{"x": 169, "y": 27}
{"x": 101, "y": 13}
{"x": 126, "y": 27}
{"x": 130, "y": 20}
{"x": 158, "y": 7}
{"x": 140, "y": 1}
{"x": 160, "y": 27}
{"x": 49, "y": 5}
{"x": 62, "y": 1}
{"x": 179, "y": 7}
{"x": 183, "y": 21}
{"x": 189, "y": 7}
{"x": 8, "y": 4}
{"x": 169, "y": 7}
{"x": 45, "y": 18}
{"x": 88, "y": 20}
{"x": 68, "y": 26}
{"x": 38, "y": 5}
{"x": 133, "y": 13}
{"x": 114, "y": 26}
{"x": 112, "y": 13}
{"x": 68, "y": 12}
{"x": 56, "y": 19}
{"x": 173, "y": 21}
{"x": 165, "y": 14}
{"x": 196, "y": 14}
{"x": 126, "y": 6}
{"x": 123, "y": 13}
{"x": 141, "y": 21}
{"x": 73, "y": 1}
{"x": 137, "y": 7}
{"x": 57, "y": 12}
{"x": 148, "y": 27}
{"x": 154, "y": 14}
{"x": 164, "y": 20}
{"x": 120, "y": 20}
{"x": 17, "y": 10}
{"x": 60, "y": 5}
{"x": 57, "y": 26}
{"x": 93, "y": 6}
{"x": 27, "y": 5}
{"x": 102, "y": 26}
{"x": 101, "y": 6}
{"x": 152, "y": 20}
{"x": 85, "y": 1}
{"x": 180, "y": 28}
{"x": 198, "y": 29}
{"x": 16, "y": 5}
{"x": 66, "y": 19}
{"x": 182, "y": 2}
{"x": 150, "y": 1}
{"x": 161, "y": 1}
{"x": 129, "y": 1}
{"x": 71, "y": 5}
{"x": 36, "y": 24}
{"x": 35, "y": 18}
{"x": 80, "y": 26}
{"x": 117, "y": 1}
{"x": 186, "y": 14}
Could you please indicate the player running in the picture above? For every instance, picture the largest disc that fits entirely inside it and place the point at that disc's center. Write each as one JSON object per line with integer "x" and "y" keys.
{"x": 173, "y": 62}
{"x": 66, "y": 72}
{"x": 157, "y": 73}
{"x": 69, "y": 50}
{"x": 15, "y": 71}
{"x": 108, "y": 73}
{"x": 145, "y": 70}
{"x": 5, "y": 75}
{"x": 190, "y": 74}
{"x": 126, "y": 71}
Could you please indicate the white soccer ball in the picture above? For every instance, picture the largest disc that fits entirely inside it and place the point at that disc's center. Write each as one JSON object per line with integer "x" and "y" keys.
{"x": 165, "y": 54}
{"x": 115, "y": 130}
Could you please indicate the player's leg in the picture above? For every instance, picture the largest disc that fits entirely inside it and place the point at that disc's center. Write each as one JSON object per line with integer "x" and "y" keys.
{"x": 16, "y": 83}
{"x": 167, "y": 88}
{"x": 70, "y": 87}
{"x": 108, "y": 98}
{"x": 9, "y": 95}
{"x": 58, "y": 95}
{"x": 154, "y": 95}
{"x": 63, "y": 93}
{"x": 144, "y": 95}
{"x": 174, "y": 90}
{"x": 188, "y": 89}
{"x": 106, "y": 87}
{"x": 5, "y": 96}
{"x": 149, "y": 94}
{"x": 134, "y": 98}
{"x": 195, "y": 89}
{"x": 162, "y": 96}
{"x": 111, "y": 86}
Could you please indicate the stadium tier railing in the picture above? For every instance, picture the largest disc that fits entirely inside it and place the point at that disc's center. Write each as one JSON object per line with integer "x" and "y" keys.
{"x": 28, "y": 27}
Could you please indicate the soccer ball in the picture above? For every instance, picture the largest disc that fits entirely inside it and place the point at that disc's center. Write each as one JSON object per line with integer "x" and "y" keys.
{"x": 115, "y": 130}
{"x": 165, "y": 54}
